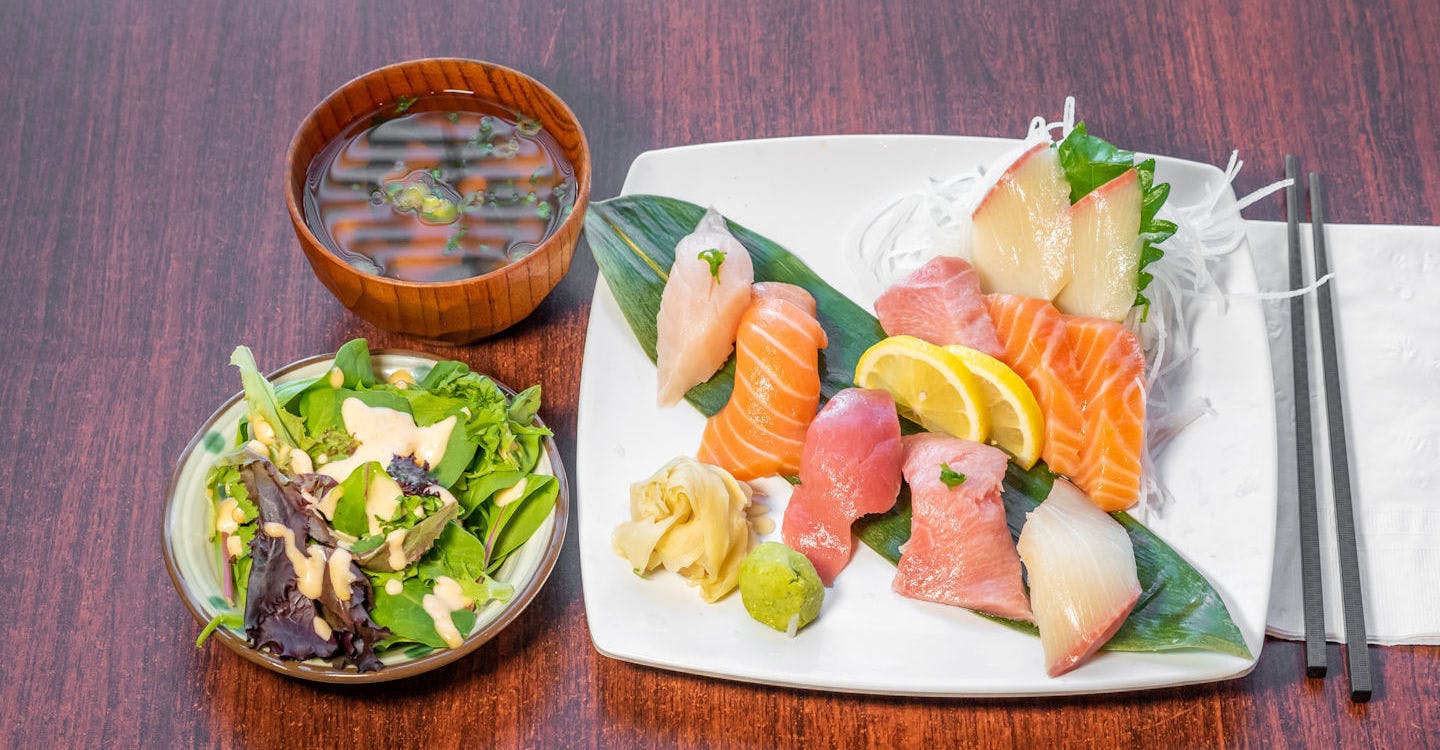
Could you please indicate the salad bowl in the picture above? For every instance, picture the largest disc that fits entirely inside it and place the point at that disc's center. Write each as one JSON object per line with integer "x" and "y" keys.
{"x": 194, "y": 569}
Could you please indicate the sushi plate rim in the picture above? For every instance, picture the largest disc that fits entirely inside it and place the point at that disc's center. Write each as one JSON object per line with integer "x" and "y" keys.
{"x": 607, "y": 626}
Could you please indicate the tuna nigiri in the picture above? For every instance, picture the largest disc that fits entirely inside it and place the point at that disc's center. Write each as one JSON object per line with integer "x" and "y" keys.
{"x": 1083, "y": 582}
{"x": 940, "y": 303}
{"x": 700, "y": 307}
{"x": 760, "y": 432}
{"x": 1032, "y": 334}
{"x": 960, "y": 551}
{"x": 1111, "y": 373}
{"x": 850, "y": 467}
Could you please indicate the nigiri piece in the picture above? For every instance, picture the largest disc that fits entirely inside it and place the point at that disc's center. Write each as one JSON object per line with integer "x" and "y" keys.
{"x": 1083, "y": 582}
{"x": 760, "y": 432}
{"x": 960, "y": 551}
{"x": 700, "y": 307}
{"x": 940, "y": 303}
{"x": 788, "y": 292}
{"x": 1022, "y": 232}
{"x": 1111, "y": 376}
{"x": 1032, "y": 333}
{"x": 850, "y": 467}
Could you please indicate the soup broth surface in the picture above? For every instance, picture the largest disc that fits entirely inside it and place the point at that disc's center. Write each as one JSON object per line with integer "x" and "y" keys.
{"x": 438, "y": 188}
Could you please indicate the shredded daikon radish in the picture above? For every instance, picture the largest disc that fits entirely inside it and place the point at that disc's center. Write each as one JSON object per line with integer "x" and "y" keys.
{"x": 908, "y": 232}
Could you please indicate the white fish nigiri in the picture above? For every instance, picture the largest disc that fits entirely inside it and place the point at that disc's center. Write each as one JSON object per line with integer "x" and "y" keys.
{"x": 700, "y": 308}
{"x": 1081, "y": 567}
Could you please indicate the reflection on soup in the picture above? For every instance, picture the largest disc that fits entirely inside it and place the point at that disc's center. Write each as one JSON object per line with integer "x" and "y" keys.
{"x": 439, "y": 188}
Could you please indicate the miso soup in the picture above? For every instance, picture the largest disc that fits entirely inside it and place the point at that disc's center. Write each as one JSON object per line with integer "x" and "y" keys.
{"x": 439, "y": 188}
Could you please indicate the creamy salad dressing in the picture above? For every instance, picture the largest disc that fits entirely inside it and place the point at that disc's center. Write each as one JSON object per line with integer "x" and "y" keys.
{"x": 446, "y": 598}
{"x": 341, "y": 577}
{"x": 395, "y": 546}
{"x": 393, "y": 587}
{"x": 385, "y": 433}
{"x": 382, "y": 499}
{"x": 322, "y": 628}
{"x": 227, "y": 517}
{"x": 309, "y": 566}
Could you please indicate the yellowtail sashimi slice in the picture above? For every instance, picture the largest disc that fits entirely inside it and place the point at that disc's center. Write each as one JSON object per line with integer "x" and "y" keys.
{"x": 700, "y": 307}
{"x": 1081, "y": 568}
{"x": 1022, "y": 228}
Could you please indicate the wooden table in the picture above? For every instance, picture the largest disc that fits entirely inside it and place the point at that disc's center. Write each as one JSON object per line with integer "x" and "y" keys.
{"x": 144, "y": 235}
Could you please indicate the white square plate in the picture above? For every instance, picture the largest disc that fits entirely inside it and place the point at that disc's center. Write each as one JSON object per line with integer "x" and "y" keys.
{"x": 808, "y": 194}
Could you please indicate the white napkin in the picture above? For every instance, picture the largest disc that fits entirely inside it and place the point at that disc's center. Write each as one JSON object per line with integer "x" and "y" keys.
{"x": 1387, "y": 307}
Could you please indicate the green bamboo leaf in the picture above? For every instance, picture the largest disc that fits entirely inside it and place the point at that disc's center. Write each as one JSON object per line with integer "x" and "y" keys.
{"x": 633, "y": 239}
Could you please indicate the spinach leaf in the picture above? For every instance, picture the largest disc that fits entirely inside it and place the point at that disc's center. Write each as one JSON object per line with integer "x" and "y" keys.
{"x": 350, "y": 513}
{"x": 322, "y": 407}
{"x": 479, "y": 489}
{"x": 260, "y": 399}
{"x": 517, "y": 522}
{"x": 418, "y": 540}
{"x": 353, "y": 360}
{"x": 457, "y": 554}
{"x": 525, "y": 405}
{"x": 405, "y": 616}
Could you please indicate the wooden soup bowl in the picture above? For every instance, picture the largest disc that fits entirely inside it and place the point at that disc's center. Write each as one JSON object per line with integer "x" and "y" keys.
{"x": 451, "y": 311}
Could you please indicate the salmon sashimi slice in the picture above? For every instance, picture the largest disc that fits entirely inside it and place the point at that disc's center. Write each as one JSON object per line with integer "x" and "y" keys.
{"x": 960, "y": 551}
{"x": 940, "y": 303}
{"x": 760, "y": 432}
{"x": 850, "y": 467}
{"x": 1083, "y": 581}
{"x": 700, "y": 310}
{"x": 1032, "y": 334}
{"x": 1111, "y": 371}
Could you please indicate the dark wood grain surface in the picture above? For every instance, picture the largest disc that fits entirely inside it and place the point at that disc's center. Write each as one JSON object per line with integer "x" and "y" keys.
{"x": 144, "y": 235}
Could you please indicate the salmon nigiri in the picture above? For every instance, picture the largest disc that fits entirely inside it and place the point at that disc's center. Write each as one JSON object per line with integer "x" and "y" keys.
{"x": 1083, "y": 581}
{"x": 1111, "y": 377}
{"x": 850, "y": 468}
{"x": 700, "y": 308}
{"x": 760, "y": 432}
{"x": 1032, "y": 337}
{"x": 960, "y": 551}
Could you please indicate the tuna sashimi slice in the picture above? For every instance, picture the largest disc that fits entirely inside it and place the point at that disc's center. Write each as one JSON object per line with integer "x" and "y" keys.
{"x": 960, "y": 551}
{"x": 1082, "y": 575}
{"x": 940, "y": 303}
{"x": 850, "y": 468}
{"x": 700, "y": 310}
{"x": 1111, "y": 377}
{"x": 760, "y": 432}
{"x": 1032, "y": 333}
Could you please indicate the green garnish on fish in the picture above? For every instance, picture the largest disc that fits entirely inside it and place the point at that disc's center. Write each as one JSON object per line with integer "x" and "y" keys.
{"x": 950, "y": 477}
{"x": 715, "y": 257}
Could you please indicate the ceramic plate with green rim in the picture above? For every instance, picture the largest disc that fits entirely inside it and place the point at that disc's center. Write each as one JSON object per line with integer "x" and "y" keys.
{"x": 193, "y": 558}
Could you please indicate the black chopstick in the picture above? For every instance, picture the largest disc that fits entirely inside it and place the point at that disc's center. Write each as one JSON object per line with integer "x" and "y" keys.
{"x": 1357, "y": 647}
{"x": 1312, "y": 592}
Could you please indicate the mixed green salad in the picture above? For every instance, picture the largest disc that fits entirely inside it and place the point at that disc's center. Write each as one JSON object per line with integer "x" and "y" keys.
{"x": 354, "y": 515}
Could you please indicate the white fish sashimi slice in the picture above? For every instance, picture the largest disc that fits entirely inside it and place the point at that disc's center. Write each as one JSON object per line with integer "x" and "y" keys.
{"x": 700, "y": 310}
{"x": 1083, "y": 582}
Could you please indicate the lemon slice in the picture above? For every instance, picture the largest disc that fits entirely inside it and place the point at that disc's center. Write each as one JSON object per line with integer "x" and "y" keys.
{"x": 1016, "y": 423}
{"x": 930, "y": 386}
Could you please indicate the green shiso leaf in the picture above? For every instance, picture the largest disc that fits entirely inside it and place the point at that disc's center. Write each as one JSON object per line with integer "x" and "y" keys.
{"x": 1089, "y": 162}
{"x": 633, "y": 239}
